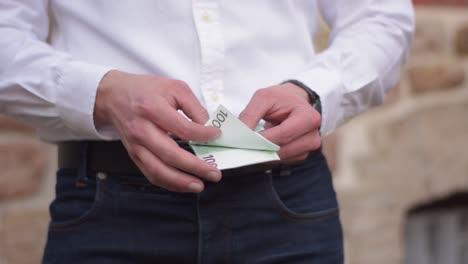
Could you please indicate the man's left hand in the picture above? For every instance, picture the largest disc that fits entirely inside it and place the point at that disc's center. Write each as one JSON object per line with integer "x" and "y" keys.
{"x": 291, "y": 122}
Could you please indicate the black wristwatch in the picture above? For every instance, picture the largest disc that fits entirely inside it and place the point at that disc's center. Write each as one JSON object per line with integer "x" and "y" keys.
{"x": 314, "y": 98}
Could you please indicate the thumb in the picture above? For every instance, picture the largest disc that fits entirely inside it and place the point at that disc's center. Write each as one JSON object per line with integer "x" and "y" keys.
{"x": 254, "y": 111}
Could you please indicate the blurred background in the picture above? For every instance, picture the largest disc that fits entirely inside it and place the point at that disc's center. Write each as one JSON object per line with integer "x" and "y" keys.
{"x": 400, "y": 170}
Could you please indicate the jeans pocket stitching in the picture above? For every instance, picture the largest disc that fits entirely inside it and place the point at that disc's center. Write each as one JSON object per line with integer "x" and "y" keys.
{"x": 290, "y": 214}
{"x": 89, "y": 213}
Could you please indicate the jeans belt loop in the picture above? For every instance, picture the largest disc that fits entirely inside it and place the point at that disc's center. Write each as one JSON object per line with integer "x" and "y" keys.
{"x": 82, "y": 177}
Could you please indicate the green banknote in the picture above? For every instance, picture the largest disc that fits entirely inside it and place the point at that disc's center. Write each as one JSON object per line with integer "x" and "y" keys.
{"x": 237, "y": 146}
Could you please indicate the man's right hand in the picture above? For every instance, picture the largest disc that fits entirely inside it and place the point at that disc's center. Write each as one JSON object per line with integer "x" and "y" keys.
{"x": 143, "y": 109}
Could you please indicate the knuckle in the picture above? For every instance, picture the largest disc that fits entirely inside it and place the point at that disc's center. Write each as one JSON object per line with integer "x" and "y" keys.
{"x": 311, "y": 117}
{"x": 194, "y": 165}
{"x": 144, "y": 107}
{"x": 183, "y": 86}
{"x": 245, "y": 115}
{"x": 316, "y": 142}
{"x": 168, "y": 155}
{"x": 307, "y": 109}
{"x": 286, "y": 136}
{"x": 153, "y": 171}
{"x": 152, "y": 174}
{"x": 153, "y": 78}
{"x": 184, "y": 131}
{"x": 134, "y": 133}
{"x": 136, "y": 153}
{"x": 200, "y": 168}
{"x": 284, "y": 153}
{"x": 133, "y": 136}
{"x": 199, "y": 109}
{"x": 262, "y": 93}
{"x": 317, "y": 118}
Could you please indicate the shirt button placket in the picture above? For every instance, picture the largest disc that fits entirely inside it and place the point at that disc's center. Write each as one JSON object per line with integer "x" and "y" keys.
{"x": 206, "y": 16}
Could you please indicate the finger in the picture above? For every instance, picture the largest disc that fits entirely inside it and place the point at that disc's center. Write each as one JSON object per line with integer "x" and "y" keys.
{"x": 304, "y": 144}
{"x": 167, "y": 118}
{"x": 269, "y": 125}
{"x": 184, "y": 129}
{"x": 161, "y": 175}
{"x": 188, "y": 102}
{"x": 256, "y": 109}
{"x": 169, "y": 152}
{"x": 300, "y": 121}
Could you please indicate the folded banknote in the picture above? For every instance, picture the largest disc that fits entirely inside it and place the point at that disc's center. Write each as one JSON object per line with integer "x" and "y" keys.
{"x": 237, "y": 146}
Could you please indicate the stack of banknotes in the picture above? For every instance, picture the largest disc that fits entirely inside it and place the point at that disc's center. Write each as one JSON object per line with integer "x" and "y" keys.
{"x": 237, "y": 146}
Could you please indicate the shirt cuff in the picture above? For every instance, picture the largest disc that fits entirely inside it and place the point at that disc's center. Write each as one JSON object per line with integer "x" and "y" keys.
{"x": 327, "y": 83}
{"x": 77, "y": 86}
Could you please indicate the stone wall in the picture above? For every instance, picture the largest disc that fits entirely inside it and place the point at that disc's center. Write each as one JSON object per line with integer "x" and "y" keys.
{"x": 26, "y": 188}
{"x": 442, "y": 2}
{"x": 410, "y": 151}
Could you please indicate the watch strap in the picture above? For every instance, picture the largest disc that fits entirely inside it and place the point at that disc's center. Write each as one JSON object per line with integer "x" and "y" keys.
{"x": 314, "y": 98}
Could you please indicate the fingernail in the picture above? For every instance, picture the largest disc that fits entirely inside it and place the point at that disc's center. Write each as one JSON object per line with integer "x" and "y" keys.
{"x": 214, "y": 176}
{"x": 195, "y": 187}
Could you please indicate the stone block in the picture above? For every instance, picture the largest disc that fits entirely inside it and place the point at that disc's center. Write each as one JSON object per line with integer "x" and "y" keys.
{"x": 429, "y": 37}
{"x": 436, "y": 76}
{"x": 2, "y": 236}
{"x": 25, "y": 235}
{"x": 329, "y": 148}
{"x": 9, "y": 124}
{"x": 23, "y": 166}
{"x": 441, "y": 2}
{"x": 461, "y": 40}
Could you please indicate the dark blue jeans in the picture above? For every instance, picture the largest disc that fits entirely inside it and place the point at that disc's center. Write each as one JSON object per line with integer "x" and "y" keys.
{"x": 284, "y": 216}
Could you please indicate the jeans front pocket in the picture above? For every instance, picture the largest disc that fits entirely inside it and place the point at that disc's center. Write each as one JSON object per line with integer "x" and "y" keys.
{"x": 305, "y": 192}
{"x": 75, "y": 204}
{"x": 140, "y": 185}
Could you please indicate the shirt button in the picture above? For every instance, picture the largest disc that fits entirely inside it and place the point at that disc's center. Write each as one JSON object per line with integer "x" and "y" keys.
{"x": 206, "y": 17}
{"x": 214, "y": 98}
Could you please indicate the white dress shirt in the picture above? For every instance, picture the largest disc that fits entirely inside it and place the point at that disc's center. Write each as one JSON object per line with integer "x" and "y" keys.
{"x": 223, "y": 49}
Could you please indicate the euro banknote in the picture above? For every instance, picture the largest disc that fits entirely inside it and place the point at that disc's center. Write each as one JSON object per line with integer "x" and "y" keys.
{"x": 237, "y": 146}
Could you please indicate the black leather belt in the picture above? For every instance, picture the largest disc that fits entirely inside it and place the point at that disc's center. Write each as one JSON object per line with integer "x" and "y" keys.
{"x": 111, "y": 157}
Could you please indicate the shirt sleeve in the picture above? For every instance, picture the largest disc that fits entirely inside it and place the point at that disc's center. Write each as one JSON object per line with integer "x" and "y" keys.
{"x": 40, "y": 85}
{"x": 369, "y": 41}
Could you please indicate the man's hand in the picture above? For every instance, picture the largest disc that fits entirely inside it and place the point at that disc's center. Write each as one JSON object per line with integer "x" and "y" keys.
{"x": 143, "y": 109}
{"x": 291, "y": 122}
